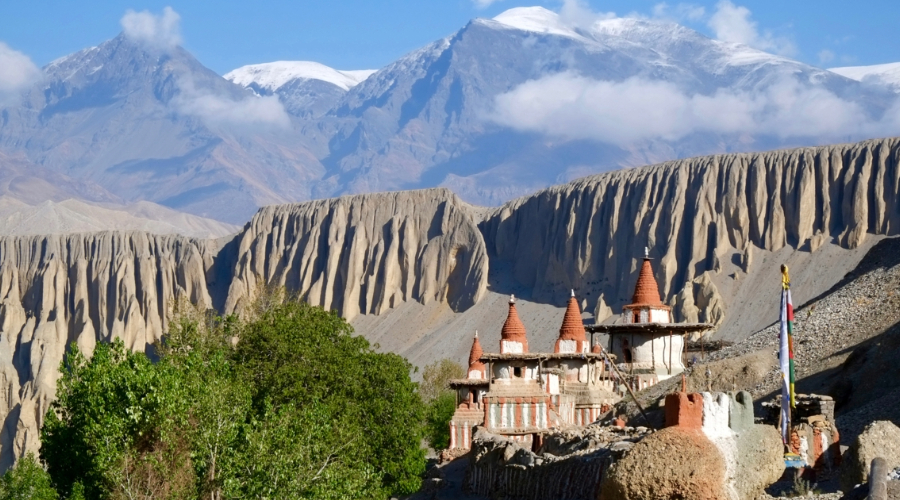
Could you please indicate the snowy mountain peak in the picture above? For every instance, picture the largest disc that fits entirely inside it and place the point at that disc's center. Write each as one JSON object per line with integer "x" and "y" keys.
{"x": 271, "y": 76}
{"x": 537, "y": 20}
{"x": 883, "y": 74}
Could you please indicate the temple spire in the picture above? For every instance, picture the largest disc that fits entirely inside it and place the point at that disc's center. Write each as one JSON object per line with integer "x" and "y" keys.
{"x": 513, "y": 337}
{"x": 476, "y": 367}
{"x": 572, "y": 336}
{"x": 646, "y": 290}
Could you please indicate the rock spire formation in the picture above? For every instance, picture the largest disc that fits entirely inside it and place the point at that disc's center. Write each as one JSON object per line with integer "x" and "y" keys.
{"x": 706, "y": 217}
{"x": 365, "y": 254}
{"x": 82, "y": 289}
{"x": 713, "y": 222}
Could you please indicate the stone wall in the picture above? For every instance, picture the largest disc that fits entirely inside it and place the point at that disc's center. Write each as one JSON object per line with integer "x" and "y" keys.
{"x": 500, "y": 468}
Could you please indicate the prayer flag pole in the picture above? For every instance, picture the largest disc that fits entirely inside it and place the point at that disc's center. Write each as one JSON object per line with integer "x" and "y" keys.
{"x": 786, "y": 355}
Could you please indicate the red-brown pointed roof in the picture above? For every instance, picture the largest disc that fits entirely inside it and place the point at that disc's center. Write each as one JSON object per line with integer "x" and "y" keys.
{"x": 475, "y": 355}
{"x": 646, "y": 292}
{"x": 596, "y": 349}
{"x": 572, "y": 326}
{"x": 513, "y": 329}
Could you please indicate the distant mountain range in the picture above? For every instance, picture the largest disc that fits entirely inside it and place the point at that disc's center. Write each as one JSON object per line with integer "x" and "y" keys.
{"x": 497, "y": 110}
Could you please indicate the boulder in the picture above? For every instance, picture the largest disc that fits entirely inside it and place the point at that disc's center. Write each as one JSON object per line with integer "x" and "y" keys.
{"x": 879, "y": 439}
{"x": 673, "y": 463}
{"x": 760, "y": 460}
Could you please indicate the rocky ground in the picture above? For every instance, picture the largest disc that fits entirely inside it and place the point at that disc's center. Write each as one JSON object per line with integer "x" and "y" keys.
{"x": 840, "y": 338}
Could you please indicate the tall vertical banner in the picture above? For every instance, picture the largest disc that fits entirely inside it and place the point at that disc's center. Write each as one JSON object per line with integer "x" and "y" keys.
{"x": 786, "y": 355}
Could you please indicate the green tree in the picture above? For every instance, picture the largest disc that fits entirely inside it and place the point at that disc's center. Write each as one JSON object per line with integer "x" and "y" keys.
{"x": 27, "y": 481}
{"x": 294, "y": 452}
{"x": 440, "y": 411}
{"x": 436, "y": 378}
{"x": 114, "y": 427}
{"x": 297, "y": 408}
{"x": 440, "y": 400}
{"x": 198, "y": 348}
{"x": 298, "y": 354}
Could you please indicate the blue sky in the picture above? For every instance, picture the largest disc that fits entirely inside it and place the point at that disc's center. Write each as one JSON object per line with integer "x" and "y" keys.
{"x": 356, "y": 34}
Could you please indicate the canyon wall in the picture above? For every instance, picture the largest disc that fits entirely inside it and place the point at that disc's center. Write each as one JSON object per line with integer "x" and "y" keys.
{"x": 82, "y": 289}
{"x": 699, "y": 217}
{"x": 710, "y": 222}
{"x": 364, "y": 254}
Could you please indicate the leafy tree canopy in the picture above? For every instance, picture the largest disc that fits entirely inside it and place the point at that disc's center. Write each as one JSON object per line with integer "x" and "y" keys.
{"x": 27, "y": 481}
{"x": 437, "y": 376}
{"x": 285, "y": 403}
{"x": 440, "y": 400}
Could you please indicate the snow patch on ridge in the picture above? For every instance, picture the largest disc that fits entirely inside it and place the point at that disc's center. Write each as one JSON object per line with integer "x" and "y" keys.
{"x": 884, "y": 74}
{"x": 536, "y": 20}
{"x": 271, "y": 76}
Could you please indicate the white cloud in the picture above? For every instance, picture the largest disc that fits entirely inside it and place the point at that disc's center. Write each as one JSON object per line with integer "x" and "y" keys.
{"x": 225, "y": 111}
{"x": 481, "y": 4}
{"x": 570, "y": 106}
{"x": 578, "y": 14}
{"x": 17, "y": 74}
{"x": 732, "y": 23}
{"x": 680, "y": 12}
{"x": 161, "y": 31}
{"x": 826, "y": 56}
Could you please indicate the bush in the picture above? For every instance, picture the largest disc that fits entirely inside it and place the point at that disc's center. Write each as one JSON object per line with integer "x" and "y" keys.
{"x": 440, "y": 400}
{"x": 297, "y": 354}
{"x": 27, "y": 481}
{"x": 115, "y": 415}
{"x": 440, "y": 411}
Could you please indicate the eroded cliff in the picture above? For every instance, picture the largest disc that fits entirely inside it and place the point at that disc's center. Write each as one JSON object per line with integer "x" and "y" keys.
{"x": 359, "y": 254}
{"x": 701, "y": 218}
{"x": 411, "y": 269}
{"x": 364, "y": 254}
{"x": 82, "y": 289}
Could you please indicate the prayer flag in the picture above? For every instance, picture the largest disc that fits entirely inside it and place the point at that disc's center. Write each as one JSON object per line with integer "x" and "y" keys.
{"x": 786, "y": 355}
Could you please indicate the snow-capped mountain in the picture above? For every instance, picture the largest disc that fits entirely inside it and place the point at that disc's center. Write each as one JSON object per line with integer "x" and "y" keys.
{"x": 432, "y": 117}
{"x": 269, "y": 77}
{"x": 500, "y": 108}
{"x": 306, "y": 88}
{"x": 887, "y": 75}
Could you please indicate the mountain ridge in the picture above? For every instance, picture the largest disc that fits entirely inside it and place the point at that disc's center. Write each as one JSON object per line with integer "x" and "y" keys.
{"x": 151, "y": 123}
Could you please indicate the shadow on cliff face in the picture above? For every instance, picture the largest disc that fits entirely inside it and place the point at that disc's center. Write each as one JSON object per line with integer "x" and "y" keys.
{"x": 221, "y": 273}
{"x": 8, "y": 433}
